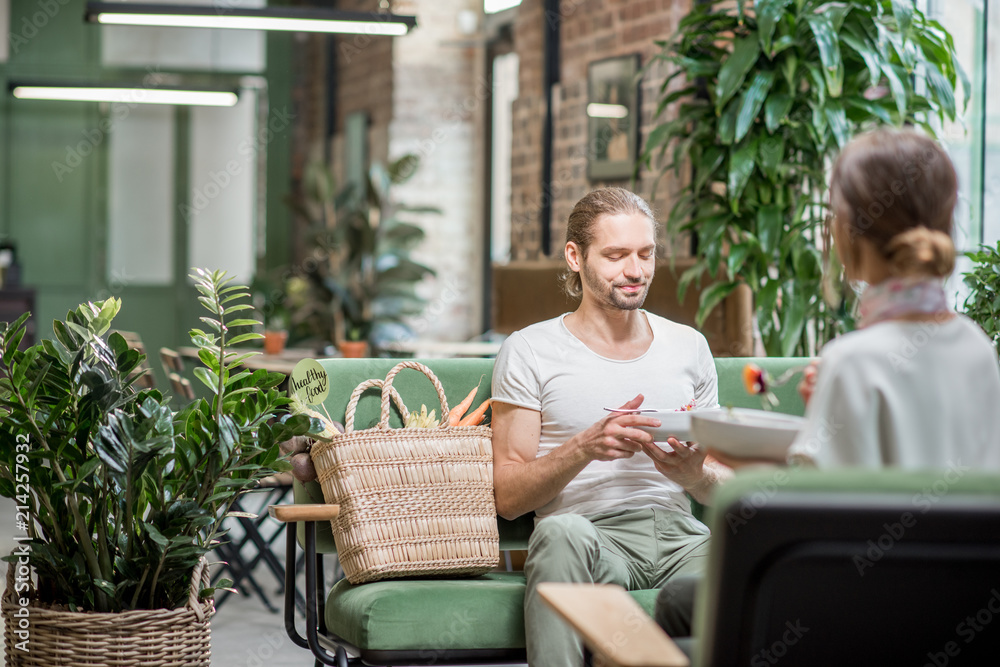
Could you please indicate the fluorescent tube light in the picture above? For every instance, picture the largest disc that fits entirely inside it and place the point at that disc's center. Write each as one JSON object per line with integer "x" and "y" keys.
{"x": 270, "y": 18}
{"x": 496, "y": 6}
{"x": 597, "y": 110}
{"x": 125, "y": 94}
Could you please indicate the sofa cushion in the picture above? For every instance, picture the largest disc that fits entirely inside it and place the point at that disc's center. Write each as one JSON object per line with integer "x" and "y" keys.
{"x": 484, "y": 612}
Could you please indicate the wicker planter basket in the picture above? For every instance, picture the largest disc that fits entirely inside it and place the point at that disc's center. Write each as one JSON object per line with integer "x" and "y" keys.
{"x": 143, "y": 638}
{"x": 412, "y": 501}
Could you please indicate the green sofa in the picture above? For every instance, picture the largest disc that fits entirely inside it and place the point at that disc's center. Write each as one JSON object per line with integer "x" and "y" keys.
{"x": 468, "y": 619}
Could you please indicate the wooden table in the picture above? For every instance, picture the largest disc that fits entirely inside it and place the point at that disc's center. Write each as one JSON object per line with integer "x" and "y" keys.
{"x": 280, "y": 363}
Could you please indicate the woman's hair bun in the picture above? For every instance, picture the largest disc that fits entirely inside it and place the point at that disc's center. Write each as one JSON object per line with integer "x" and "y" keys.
{"x": 920, "y": 251}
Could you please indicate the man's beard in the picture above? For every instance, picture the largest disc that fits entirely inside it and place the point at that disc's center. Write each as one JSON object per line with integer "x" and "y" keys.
{"x": 610, "y": 295}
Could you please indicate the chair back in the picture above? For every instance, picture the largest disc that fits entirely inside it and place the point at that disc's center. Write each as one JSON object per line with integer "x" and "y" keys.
{"x": 171, "y": 360}
{"x": 852, "y": 567}
{"x": 181, "y": 386}
{"x": 145, "y": 372}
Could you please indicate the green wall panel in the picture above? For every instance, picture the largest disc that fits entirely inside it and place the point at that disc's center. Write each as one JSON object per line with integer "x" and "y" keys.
{"x": 49, "y": 210}
{"x": 49, "y": 36}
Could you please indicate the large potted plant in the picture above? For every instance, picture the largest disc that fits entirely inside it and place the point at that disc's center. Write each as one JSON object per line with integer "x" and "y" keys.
{"x": 363, "y": 277}
{"x": 769, "y": 91}
{"x": 983, "y": 280}
{"x": 120, "y": 498}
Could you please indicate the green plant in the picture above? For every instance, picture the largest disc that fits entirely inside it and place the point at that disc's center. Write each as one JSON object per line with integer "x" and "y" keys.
{"x": 123, "y": 495}
{"x": 767, "y": 98}
{"x": 983, "y": 303}
{"x": 363, "y": 279}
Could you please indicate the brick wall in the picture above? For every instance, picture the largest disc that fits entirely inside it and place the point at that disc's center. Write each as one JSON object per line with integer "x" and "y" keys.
{"x": 591, "y": 30}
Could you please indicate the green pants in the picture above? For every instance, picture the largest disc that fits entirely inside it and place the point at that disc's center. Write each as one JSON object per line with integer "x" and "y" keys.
{"x": 636, "y": 549}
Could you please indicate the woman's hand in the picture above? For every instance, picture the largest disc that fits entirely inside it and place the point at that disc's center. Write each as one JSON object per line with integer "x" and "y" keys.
{"x": 808, "y": 383}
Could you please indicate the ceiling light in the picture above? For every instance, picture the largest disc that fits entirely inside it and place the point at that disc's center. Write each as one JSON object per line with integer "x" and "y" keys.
{"x": 123, "y": 94}
{"x": 294, "y": 19}
{"x": 597, "y": 110}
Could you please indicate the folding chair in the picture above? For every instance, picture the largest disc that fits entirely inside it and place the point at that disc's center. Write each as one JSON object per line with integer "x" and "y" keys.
{"x": 171, "y": 360}
{"x": 256, "y": 545}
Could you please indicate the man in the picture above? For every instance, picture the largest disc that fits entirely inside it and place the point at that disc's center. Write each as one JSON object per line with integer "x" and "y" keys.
{"x": 610, "y": 505}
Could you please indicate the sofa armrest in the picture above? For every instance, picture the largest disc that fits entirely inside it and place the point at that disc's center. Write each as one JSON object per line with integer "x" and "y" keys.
{"x": 613, "y": 625}
{"x": 296, "y": 513}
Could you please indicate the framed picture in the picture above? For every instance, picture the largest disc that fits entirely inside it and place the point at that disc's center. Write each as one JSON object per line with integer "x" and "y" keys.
{"x": 612, "y": 118}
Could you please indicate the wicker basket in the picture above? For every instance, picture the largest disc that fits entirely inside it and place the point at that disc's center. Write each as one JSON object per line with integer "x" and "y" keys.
{"x": 142, "y": 638}
{"x": 412, "y": 501}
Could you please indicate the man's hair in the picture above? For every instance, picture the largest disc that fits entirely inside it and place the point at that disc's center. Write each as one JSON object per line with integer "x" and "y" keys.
{"x": 580, "y": 226}
{"x": 897, "y": 189}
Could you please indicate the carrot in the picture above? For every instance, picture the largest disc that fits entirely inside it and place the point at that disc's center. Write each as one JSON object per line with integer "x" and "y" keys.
{"x": 475, "y": 417}
{"x": 455, "y": 414}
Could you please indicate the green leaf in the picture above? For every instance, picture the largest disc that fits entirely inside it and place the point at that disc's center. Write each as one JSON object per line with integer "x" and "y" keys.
{"x": 767, "y": 298}
{"x": 772, "y": 154}
{"x": 156, "y": 535}
{"x": 793, "y": 320}
{"x": 245, "y": 322}
{"x": 208, "y": 377}
{"x": 746, "y": 51}
{"x": 837, "y": 120}
{"x": 711, "y": 159}
{"x": 712, "y": 297}
{"x": 768, "y": 13}
{"x": 752, "y": 101}
{"x": 943, "y": 90}
{"x": 727, "y": 122}
{"x": 867, "y": 52}
{"x": 770, "y": 221}
{"x": 242, "y": 338}
{"x": 903, "y": 11}
{"x": 776, "y": 109}
{"x": 741, "y": 165}
{"x": 829, "y": 52}
{"x": 893, "y": 74}
{"x": 687, "y": 277}
{"x": 737, "y": 257}
{"x": 870, "y": 108}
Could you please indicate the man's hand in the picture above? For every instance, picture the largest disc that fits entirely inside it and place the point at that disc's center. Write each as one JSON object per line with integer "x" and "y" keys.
{"x": 685, "y": 465}
{"x": 616, "y": 436}
{"x": 689, "y": 466}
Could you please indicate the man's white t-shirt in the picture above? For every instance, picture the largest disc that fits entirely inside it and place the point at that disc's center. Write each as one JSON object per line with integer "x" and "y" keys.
{"x": 546, "y": 368}
{"x": 905, "y": 394}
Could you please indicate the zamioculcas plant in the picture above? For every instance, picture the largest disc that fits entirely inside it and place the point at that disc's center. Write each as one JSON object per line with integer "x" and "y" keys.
{"x": 770, "y": 91}
{"x": 121, "y": 495}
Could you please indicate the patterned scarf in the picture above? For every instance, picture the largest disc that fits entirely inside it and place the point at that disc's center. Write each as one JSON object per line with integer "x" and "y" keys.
{"x": 897, "y": 297}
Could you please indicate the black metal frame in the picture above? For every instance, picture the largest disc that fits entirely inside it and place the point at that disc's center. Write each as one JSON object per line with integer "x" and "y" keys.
{"x": 320, "y": 641}
{"x": 240, "y": 568}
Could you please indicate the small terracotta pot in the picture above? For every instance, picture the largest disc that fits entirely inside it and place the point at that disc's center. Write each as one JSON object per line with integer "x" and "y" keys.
{"x": 353, "y": 349}
{"x": 274, "y": 341}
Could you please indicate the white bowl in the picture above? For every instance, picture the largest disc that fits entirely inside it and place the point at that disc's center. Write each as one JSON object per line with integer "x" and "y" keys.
{"x": 746, "y": 433}
{"x": 673, "y": 423}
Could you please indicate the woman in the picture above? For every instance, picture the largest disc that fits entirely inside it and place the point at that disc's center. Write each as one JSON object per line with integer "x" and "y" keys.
{"x": 917, "y": 386}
